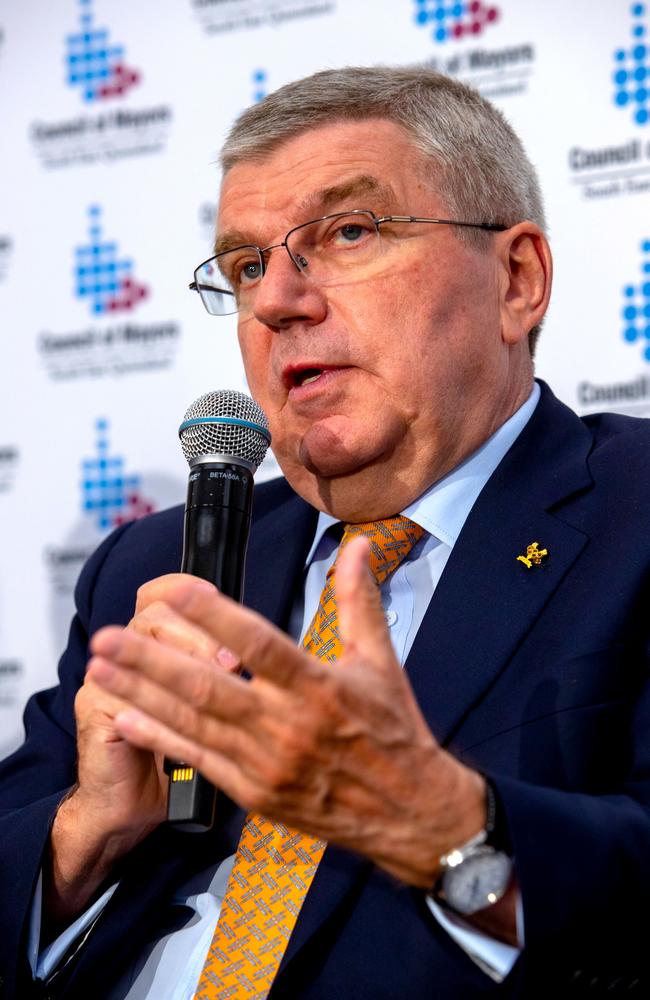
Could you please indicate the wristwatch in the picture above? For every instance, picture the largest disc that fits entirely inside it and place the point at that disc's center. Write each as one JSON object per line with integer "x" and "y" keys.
{"x": 476, "y": 874}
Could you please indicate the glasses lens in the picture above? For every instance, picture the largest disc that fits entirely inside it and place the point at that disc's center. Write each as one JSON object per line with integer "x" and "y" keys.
{"x": 225, "y": 282}
{"x": 216, "y": 295}
{"x": 337, "y": 248}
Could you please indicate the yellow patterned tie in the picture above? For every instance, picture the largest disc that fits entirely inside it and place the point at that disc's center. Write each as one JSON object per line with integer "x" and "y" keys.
{"x": 275, "y": 865}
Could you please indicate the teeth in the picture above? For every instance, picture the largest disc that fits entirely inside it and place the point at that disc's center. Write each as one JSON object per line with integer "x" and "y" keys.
{"x": 308, "y": 375}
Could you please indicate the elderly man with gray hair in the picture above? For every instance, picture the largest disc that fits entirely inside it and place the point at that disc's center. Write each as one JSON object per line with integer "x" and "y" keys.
{"x": 428, "y": 723}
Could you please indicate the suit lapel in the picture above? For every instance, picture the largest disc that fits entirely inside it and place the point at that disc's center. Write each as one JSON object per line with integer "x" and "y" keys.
{"x": 487, "y": 600}
{"x": 484, "y": 605}
{"x": 280, "y": 539}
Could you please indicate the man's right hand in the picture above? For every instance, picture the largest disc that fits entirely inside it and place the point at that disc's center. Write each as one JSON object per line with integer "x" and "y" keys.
{"x": 121, "y": 791}
{"x": 119, "y": 798}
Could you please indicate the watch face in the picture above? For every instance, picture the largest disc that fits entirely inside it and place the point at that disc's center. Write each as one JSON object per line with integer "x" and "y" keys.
{"x": 479, "y": 880}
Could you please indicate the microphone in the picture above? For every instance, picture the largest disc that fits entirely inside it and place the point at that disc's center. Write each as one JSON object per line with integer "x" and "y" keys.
{"x": 224, "y": 436}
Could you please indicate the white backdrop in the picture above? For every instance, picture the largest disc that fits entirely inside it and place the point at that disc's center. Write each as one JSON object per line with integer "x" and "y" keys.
{"x": 111, "y": 119}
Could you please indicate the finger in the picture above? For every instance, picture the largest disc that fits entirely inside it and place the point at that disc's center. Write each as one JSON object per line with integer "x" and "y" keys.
{"x": 162, "y": 622}
{"x": 245, "y": 784}
{"x": 361, "y": 616}
{"x": 137, "y": 691}
{"x": 262, "y": 648}
{"x": 195, "y": 682}
{"x": 157, "y": 589}
{"x": 94, "y": 703}
{"x": 240, "y": 736}
{"x": 147, "y": 733}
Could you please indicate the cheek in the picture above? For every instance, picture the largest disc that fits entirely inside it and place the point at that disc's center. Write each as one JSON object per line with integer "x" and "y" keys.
{"x": 255, "y": 355}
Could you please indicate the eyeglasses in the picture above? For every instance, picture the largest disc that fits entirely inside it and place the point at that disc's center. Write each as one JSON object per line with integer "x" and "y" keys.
{"x": 336, "y": 249}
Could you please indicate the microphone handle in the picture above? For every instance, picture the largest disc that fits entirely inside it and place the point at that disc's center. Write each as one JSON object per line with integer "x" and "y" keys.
{"x": 215, "y": 539}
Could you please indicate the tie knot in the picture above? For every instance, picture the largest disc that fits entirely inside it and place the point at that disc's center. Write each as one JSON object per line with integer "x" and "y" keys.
{"x": 391, "y": 540}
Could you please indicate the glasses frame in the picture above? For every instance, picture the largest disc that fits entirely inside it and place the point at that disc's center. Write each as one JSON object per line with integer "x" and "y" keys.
{"x": 300, "y": 264}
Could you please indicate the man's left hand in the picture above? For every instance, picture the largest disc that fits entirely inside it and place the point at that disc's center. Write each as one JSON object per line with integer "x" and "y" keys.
{"x": 339, "y": 750}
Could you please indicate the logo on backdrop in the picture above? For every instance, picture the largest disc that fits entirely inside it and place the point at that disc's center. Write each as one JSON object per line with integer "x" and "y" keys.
{"x": 611, "y": 171}
{"x": 259, "y": 80}
{"x": 109, "y": 495}
{"x": 453, "y": 21}
{"x": 632, "y": 68}
{"x": 97, "y": 73}
{"x": 11, "y": 672}
{"x": 632, "y": 396}
{"x": 104, "y": 283}
{"x": 6, "y": 247}
{"x": 207, "y": 214}
{"x": 636, "y": 306}
{"x": 220, "y": 16}
{"x": 94, "y": 63}
{"x": 497, "y": 71}
{"x": 615, "y": 169}
{"x": 207, "y": 210}
{"x": 103, "y": 278}
{"x": 8, "y": 465}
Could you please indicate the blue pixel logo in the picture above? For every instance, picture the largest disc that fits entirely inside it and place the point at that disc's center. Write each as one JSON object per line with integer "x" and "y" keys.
{"x": 109, "y": 496}
{"x": 259, "y": 81}
{"x": 632, "y": 72}
{"x": 636, "y": 308}
{"x": 102, "y": 277}
{"x": 454, "y": 21}
{"x": 94, "y": 63}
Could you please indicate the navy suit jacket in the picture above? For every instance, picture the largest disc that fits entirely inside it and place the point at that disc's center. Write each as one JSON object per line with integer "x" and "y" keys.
{"x": 537, "y": 676}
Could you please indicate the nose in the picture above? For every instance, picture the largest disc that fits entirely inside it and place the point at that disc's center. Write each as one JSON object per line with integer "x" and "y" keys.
{"x": 285, "y": 295}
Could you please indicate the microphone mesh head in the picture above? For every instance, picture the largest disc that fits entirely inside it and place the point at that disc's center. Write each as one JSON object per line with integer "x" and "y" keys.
{"x": 217, "y": 436}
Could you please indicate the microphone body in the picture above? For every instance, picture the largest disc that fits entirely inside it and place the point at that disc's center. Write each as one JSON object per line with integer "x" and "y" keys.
{"x": 215, "y": 538}
{"x": 217, "y": 524}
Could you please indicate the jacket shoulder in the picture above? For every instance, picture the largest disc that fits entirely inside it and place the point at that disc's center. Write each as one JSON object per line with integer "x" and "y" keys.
{"x": 619, "y": 441}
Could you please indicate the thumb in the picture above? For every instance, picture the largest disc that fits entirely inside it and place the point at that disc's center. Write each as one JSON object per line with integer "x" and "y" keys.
{"x": 361, "y": 616}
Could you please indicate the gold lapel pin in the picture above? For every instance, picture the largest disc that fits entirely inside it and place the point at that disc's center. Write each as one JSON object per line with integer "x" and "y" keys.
{"x": 534, "y": 555}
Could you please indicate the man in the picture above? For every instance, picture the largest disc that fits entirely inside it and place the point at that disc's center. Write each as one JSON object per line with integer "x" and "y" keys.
{"x": 486, "y": 808}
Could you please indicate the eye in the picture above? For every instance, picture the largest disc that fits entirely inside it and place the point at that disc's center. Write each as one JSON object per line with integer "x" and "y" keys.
{"x": 249, "y": 271}
{"x": 351, "y": 231}
{"x": 240, "y": 267}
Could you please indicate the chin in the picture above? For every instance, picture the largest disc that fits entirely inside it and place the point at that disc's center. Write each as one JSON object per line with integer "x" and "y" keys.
{"x": 342, "y": 465}
{"x": 326, "y": 453}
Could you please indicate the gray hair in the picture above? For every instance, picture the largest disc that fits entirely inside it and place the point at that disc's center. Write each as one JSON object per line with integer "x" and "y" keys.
{"x": 482, "y": 172}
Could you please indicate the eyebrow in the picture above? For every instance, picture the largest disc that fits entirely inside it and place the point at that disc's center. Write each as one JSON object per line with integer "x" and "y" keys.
{"x": 229, "y": 240}
{"x": 318, "y": 203}
{"x": 330, "y": 197}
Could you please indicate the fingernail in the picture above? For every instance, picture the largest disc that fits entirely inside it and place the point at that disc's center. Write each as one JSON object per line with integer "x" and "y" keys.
{"x": 227, "y": 659}
{"x": 102, "y": 671}
{"x": 107, "y": 642}
{"x": 189, "y": 589}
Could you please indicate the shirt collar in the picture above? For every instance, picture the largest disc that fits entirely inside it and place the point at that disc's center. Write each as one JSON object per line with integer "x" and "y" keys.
{"x": 443, "y": 509}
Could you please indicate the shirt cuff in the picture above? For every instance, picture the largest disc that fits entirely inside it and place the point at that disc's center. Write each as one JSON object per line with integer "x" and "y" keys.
{"x": 43, "y": 963}
{"x": 495, "y": 958}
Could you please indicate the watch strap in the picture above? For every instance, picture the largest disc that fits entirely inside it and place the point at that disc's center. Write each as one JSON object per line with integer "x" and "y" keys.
{"x": 497, "y": 833}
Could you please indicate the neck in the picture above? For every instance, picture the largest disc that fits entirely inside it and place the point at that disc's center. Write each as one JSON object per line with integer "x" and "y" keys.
{"x": 384, "y": 488}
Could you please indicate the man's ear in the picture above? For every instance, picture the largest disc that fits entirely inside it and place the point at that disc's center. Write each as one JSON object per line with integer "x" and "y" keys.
{"x": 526, "y": 277}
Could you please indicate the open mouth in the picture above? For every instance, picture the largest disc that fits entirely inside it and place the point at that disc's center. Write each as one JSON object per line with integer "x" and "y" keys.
{"x": 301, "y": 376}
{"x": 306, "y": 376}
